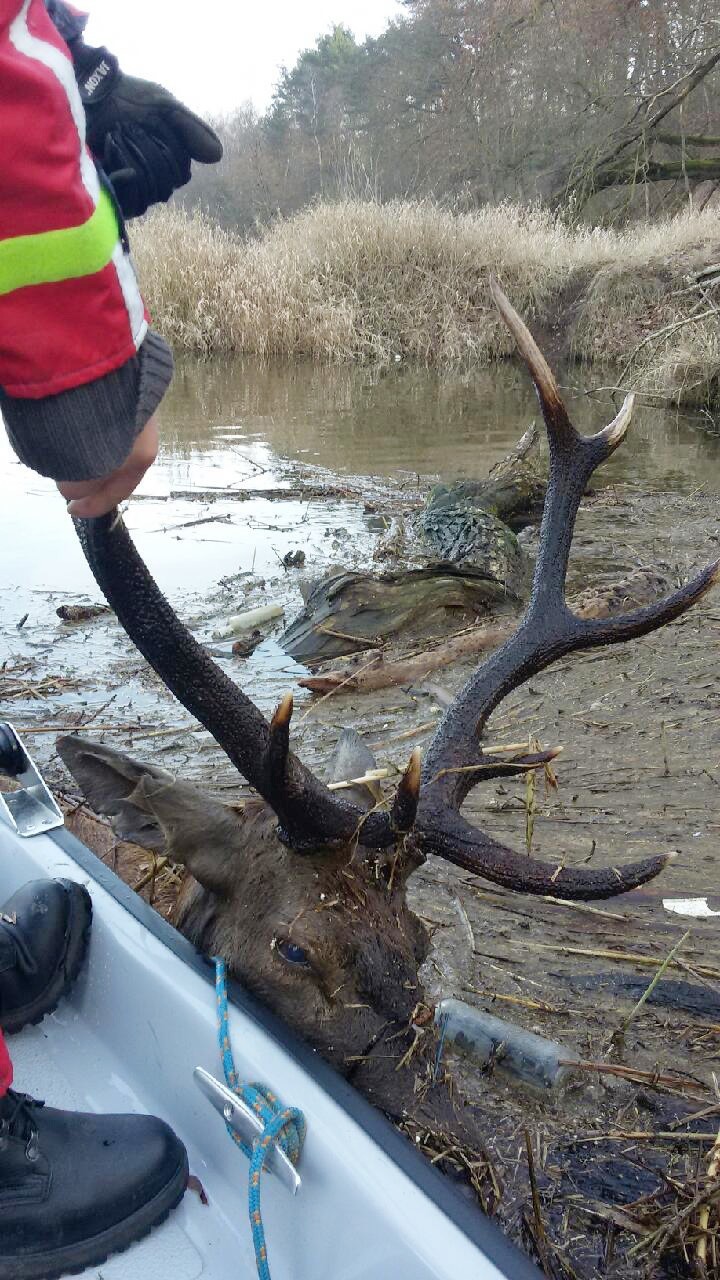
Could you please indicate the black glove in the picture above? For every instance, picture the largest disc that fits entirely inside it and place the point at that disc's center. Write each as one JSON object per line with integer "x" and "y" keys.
{"x": 143, "y": 138}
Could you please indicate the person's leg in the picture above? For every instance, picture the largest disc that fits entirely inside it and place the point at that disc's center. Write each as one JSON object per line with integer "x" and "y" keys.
{"x": 6, "y": 1071}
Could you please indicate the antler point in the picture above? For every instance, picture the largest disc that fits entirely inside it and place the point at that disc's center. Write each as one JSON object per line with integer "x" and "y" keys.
{"x": 407, "y": 795}
{"x": 411, "y": 776}
{"x": 283, "y": 713}
{"x": 615, "y": 432}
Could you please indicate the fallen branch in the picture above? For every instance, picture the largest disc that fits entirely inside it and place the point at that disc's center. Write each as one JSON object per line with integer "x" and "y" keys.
{"x": 525, "y": 1002}
{"x": 28, "y": 731}
{"x": 664, "y": 333}
{"x": 540, "y": 1233}
{"x": 632, "y": 957}
{"x": 584, "y": 908}
{"x": 373, "y": 775}
{"x": 635, "y": 1074}
{"x": 658, "y": 978}
{"x": 380, "y": 674}
{"x": 661, "y": 1238}
{"x": 590, "y": 168}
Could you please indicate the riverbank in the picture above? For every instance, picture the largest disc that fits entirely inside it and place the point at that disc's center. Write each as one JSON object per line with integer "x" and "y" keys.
{"x": 408, "y": 282}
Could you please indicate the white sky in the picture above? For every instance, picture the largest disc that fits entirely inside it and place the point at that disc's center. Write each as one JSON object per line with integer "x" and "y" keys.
{"x": 217, "y": 54}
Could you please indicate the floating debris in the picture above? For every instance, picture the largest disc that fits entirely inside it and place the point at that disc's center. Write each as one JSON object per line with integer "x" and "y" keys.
{"x": 82, "y": 612}
{"x": 243, "y": 648}
{"x": 248, "y": 620}
{"x": 529, "y": 1058}
{"x": 696, "y": 907}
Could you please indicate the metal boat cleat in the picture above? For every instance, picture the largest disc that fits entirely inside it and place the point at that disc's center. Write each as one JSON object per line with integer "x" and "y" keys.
{"x": 247, "y": 1125}
{"x": 31, "y": 810}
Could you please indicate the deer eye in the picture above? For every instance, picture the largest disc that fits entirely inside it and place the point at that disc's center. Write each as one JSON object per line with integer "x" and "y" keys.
{"x": 292, "y": 953}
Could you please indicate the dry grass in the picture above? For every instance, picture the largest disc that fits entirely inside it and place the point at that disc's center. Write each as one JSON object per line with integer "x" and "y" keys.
{"x": 364, "y": 281}
{"x": 640, "y": 309}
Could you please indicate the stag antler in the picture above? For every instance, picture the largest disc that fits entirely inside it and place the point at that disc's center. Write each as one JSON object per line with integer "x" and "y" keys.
{"x": 455, "y": 762}
{"x": 309, "y": 814}
{"x": 426, "y": 810}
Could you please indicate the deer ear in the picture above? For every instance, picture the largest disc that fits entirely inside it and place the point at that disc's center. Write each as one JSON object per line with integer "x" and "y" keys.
{"x": 111, "y": 781}
{"x": 150, "y": 808}
{"x": 352, "y": 758}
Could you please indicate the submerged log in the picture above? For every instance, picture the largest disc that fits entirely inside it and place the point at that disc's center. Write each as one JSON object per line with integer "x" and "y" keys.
{"x": 365, "y": 675}
{"x": 463, "y": 555}
{"x": 513, "y": 492}
{"x": 472, "y": 523}
{"x": 350, "y": 612}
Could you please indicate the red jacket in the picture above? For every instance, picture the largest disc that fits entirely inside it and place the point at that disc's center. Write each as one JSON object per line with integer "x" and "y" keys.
{"x": 70, "y": 310}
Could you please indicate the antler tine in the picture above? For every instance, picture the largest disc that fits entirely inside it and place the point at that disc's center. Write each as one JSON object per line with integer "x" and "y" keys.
{"x": 407, "y": 796}
{"x": 278, "y": 748}
{"x": 467, "y": 847}
{"x": 614, "y": 433}
{"x": 548, "y": 629}
{"x": 454, "y": 762}
{"x": 557, "y": 421}
{"x": 309, "y": 814}
{"x": 573, "y": 458}
{"x": 551, "y": 402}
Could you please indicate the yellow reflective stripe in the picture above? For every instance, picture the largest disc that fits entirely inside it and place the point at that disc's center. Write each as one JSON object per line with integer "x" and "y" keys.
{"x": 51, "y": 256}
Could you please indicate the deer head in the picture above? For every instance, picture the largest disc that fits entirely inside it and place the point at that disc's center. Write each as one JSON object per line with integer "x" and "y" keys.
{"x": 324, "y": 937}
{"x": 305, "y": 893}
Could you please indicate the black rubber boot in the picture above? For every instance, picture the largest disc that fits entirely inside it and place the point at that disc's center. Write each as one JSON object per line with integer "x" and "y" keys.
{"x": 44, "y": 931}
{"x": 76, "y": 1188}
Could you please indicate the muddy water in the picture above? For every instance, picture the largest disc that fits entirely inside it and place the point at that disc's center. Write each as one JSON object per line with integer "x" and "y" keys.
{"x": 249, "y": 427}
{"x": 360, "y": 422}
{"x": 242, "y": 427}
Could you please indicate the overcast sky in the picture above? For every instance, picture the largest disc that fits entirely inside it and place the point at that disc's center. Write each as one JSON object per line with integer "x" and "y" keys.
{"x": 217, "y": 54}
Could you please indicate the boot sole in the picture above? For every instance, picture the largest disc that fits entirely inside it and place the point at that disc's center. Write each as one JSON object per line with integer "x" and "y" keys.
{"x": 73, "y": 1259}
{"x": 77, "y": 938}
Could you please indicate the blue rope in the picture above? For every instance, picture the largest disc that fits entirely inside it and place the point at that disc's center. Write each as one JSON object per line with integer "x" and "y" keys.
{"x": 284, "y": 1126}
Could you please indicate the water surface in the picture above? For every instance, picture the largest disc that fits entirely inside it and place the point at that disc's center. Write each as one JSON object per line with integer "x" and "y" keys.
{"x": 241, "y": 426}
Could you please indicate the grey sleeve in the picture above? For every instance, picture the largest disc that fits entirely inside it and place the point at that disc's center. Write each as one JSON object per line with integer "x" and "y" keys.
{"x": 87, "y": 432}
{"x": 69, "y": 22}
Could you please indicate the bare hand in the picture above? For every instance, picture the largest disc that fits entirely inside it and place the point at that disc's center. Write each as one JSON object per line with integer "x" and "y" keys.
{"x": 89, "y": 498}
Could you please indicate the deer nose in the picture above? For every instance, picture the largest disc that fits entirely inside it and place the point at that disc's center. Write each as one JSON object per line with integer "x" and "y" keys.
{"x": 387, "y": 979}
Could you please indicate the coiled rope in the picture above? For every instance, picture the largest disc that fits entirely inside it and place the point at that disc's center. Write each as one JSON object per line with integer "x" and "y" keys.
{"x": 284, "y": 1126}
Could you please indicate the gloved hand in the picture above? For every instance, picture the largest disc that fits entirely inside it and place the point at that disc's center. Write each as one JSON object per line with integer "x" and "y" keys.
{"x": 139, "y": 133}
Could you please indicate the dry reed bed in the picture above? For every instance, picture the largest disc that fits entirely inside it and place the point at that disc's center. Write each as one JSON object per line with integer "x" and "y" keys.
{"x": 355, "y": 280}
